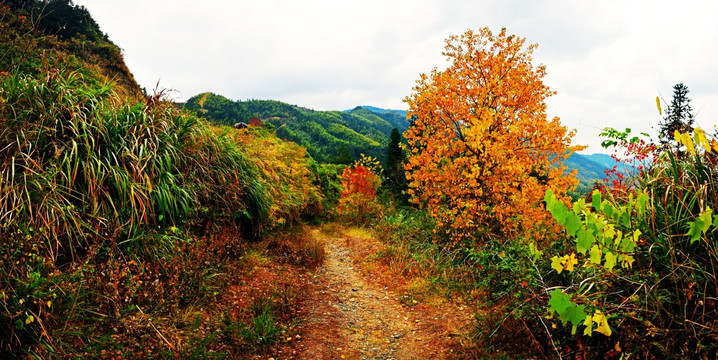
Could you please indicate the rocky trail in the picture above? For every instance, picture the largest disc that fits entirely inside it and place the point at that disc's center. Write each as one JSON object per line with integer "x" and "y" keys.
{"x": 350, "y": 315}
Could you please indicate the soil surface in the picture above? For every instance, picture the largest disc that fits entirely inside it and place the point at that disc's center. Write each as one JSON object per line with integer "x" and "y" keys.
{"x": 351, "y": 312}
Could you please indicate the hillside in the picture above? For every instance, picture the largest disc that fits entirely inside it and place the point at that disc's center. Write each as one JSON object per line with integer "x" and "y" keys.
{"x": 329, "y": 136}
{"x": 37, "y": 34}
{"x": 593, "y": 168}
{"x": 590, "y": 167}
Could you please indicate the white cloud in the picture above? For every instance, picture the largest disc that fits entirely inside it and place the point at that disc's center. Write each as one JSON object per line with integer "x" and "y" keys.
{"x": 607, "y": 60}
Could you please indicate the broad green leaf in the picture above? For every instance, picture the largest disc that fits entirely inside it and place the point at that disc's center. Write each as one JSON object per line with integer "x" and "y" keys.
{"x": 579, "y": 206}
{"x": 559, "y": 301}
{"x": 610, "y": 261}
{"x": 701, "y": 225}
{"x": 706, "y": 216}
{"x": 560, "y": 213}
{"x": 575, "y": 314}
{"x": 607, "y": 209}
{"x": 549, "y": 197}
{"x": 619, "y": 237}
{"x": 609, "y": 232}
{"x": 694, "y": 231}
{"x": 584, "y": 240}
{"x": 596, "y": 200}
{"x": 573, "y": 223}
{"x": 596, "y": 254}
{"x": 641, "y": 202}
{"x": 625, "y": 219}
{"x": 627, "y": 245}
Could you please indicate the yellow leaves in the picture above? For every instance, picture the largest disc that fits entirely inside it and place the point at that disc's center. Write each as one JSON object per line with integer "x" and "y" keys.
{"x": 626, "y": 261}
{"x": 685, "y": 140}
{"x": 600, "y": 320}
{"x": 565, "y": 262}
{"x": 699, "y": 138}
{"x": 658, "y": 104}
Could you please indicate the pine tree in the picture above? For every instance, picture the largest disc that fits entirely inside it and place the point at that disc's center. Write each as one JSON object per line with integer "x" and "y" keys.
{"x": 678, "y": 116}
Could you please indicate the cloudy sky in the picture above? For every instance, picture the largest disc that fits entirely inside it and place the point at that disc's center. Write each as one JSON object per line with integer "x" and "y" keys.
{"x": 607, "y": 60}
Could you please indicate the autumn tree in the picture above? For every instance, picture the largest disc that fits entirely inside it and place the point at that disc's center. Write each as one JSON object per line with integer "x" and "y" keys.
{"x": 482, "y": 150}
{"x": 359, "y": 182}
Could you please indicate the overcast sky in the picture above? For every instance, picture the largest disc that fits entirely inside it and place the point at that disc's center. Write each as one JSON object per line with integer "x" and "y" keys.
{"x": 607, "y": 60}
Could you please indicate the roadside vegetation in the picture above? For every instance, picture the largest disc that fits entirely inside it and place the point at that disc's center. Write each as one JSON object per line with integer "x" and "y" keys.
{"x": 131, "y": 227}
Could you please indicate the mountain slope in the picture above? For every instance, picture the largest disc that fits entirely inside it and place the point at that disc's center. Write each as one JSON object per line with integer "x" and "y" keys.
{"x": 588, "y": 168}
{"x": 397, "y": 118}
{"x": 35, "y": 35}
{"x": 329, "y": 136}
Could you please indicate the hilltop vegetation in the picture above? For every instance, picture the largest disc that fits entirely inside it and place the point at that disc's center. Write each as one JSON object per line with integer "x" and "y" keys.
{"x": 36, "y": 35}
{"x": 328, "y": 136}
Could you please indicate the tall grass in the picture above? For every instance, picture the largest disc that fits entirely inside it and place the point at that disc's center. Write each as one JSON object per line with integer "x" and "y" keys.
{"x": 106, "y": 203}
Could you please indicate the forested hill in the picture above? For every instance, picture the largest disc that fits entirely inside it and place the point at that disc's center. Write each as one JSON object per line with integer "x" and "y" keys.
{"x": 37, "y": 34}
{"x": 329, "y": 136}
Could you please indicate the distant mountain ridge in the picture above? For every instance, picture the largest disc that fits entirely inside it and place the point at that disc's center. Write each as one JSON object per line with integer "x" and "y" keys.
{"x": 590, "y": 168}
{"x": 329, "y": 136}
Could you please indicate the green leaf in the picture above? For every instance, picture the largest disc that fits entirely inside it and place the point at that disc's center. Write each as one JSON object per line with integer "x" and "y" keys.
{"x": 579, "y": 206}
{"x": 608, "y": 209}
{"x": 575, "y": 314}
{"x": 706, "y": 217}
{"x": 627, "y": 245}
{"x": 559, "y": 301}
{"x": 694, "y": 230}
{"x": 560, "y": 213}
{"x": 610, "y": 261}
{"x": 626, "y": 219}
{"x": 701, "y": 225}
{"x": 573, "y": 223}
{"x": 549, "y": 197}
{"x": 596, "y": 200}
{"x": 596, "y": 254}
{"x": 584, "y": 240}
{"x": 641, "y": 203}
{"x": 534, "y": 251}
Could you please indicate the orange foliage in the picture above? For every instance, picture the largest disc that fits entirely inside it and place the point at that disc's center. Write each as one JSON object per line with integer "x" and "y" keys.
{"x": 482, "y": 150}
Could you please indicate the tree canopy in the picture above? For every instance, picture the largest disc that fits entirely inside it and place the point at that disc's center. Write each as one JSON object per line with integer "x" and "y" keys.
{"x": 483, "y": 151}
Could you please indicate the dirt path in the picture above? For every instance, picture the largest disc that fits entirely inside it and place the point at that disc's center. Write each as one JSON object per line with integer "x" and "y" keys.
{"x": 350, "y": 316}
